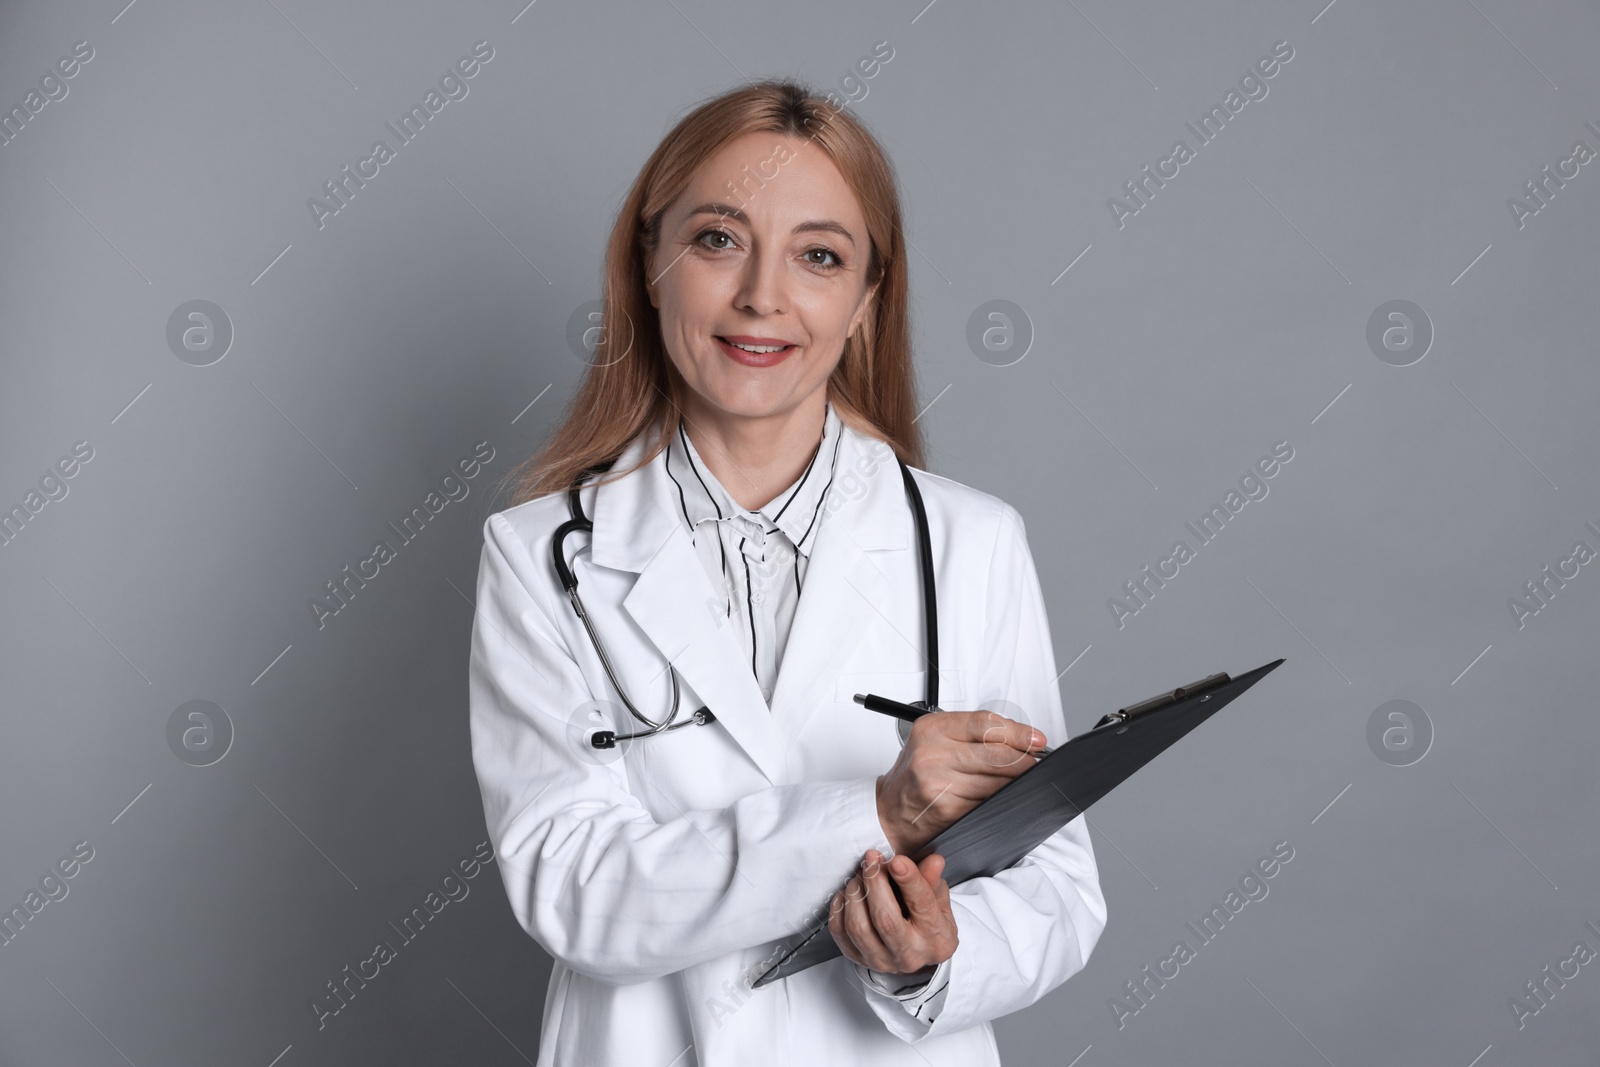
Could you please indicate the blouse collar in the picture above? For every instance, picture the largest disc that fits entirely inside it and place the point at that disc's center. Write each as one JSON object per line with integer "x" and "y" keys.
{"x": 797, "y": 511}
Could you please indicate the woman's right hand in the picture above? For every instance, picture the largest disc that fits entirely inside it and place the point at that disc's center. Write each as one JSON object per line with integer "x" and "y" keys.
{"x": 953, "y": 762}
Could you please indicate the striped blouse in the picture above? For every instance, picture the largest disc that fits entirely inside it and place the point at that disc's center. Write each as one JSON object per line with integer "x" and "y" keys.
{"x": 756, "y": 561}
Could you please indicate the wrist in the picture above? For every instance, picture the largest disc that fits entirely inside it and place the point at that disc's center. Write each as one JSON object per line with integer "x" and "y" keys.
{"x": 885, "y": 822}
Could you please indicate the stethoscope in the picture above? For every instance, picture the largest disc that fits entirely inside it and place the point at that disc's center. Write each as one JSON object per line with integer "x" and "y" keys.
{"x": 569, "y": 581}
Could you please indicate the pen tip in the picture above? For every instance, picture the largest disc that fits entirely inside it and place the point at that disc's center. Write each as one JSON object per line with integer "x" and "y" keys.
{"x": 861, "y": 698}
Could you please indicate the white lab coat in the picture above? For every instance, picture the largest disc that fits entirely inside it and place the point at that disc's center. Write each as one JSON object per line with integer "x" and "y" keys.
{"x": 659, "y": 876}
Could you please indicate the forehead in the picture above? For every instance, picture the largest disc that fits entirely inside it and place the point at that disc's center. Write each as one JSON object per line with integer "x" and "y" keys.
{"x": 778, "y": 180}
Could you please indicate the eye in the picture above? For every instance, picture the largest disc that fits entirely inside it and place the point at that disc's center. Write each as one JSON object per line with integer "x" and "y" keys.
{"x": 837, "y": 261}
{"x": 713, "y": 232}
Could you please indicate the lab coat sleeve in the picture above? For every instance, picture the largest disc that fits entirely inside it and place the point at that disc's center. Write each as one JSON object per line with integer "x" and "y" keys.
{"x": 1024, "y": 931}
{"x": 599, "y": 883}
{"x": 924, "y": 999}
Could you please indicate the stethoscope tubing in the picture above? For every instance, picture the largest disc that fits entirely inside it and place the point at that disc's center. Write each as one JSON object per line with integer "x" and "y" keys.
{"x": 594, "y": 635}
{"x": 930, "y": 607}
{"x": 604, "y": 739}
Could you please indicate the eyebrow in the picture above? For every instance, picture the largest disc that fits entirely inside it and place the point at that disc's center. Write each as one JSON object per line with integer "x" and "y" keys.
{"x": 809, "y": 226}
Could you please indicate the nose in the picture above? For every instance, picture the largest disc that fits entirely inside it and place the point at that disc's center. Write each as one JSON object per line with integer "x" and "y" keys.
{"x": 762, "y": 289}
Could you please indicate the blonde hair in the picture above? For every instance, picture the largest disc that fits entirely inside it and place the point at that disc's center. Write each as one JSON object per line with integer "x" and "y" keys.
{"x": 632, "y": 385}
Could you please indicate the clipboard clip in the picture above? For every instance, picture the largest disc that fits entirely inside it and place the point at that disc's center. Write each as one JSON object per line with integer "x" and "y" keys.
{"x": 1162, "y": 699}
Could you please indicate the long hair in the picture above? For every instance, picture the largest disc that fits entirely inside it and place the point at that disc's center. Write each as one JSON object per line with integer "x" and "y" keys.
{"x": 631, "y": 383}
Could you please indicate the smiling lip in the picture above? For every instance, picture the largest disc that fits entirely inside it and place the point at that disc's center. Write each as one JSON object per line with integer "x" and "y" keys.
{"x": 755, "y": 359}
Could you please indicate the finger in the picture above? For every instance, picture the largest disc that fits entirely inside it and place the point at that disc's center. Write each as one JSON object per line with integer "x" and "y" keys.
{"x": 993, "y": 761}
{"x": 1007, "y": 748}
{"x": 945, "y": 760}
{"x": 858, "y": 924}
{"x": 1008, "y": 743}
{"x": 992, "y": 728}
{"x": 853, "y": 889}
{"x": 841, "y": 936}
{"x": 916, "y": 888}
{"x": 839, "y": 923}
{"x": 946, "y": 798}
{"x": 975, "y": 770}
{"x": 869, "y": 947}
{"x": 951, "y": 752}
{"x": 871, "y": 867}
{"x": 884, "y": 908}
{"x": 836, "y": 905}
{"x": 1007, "y": 740}
{"x": 940, "y": 923}
{"x": 933, "y": 869}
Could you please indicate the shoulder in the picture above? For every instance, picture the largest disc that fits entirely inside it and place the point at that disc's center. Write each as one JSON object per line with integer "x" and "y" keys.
{"x": 530, "y": 522}
{"x": 958, "y": 495}
{"x": 982, "y": 542}
{"x": 517, "y": 544}
{"x": 960, "y": 513}
{"x": 956, "y": 506}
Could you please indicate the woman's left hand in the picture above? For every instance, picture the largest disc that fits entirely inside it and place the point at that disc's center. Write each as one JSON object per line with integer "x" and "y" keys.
{"x": 866, "y": 921}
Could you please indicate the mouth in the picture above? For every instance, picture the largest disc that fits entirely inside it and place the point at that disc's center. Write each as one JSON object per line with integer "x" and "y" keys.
{"x": 756, "y": 351}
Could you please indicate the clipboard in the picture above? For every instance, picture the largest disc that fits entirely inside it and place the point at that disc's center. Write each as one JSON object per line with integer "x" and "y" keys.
{"x": 1031, "y": 807}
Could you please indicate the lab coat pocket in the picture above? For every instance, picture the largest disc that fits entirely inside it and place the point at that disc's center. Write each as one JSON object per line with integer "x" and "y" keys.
{"x": 869, "y": 740}
{"x": 908, "y": 687}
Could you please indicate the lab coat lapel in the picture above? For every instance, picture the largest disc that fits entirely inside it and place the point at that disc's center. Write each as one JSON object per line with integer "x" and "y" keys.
{"x": 674, "y": 604}
{"x": 866, "y": 524}
{"x": 865, "y": 514}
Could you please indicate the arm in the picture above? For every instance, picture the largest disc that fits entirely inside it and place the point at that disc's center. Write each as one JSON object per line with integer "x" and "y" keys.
{"x": 591, "y": 875}
{"x": 1029, "y": 928}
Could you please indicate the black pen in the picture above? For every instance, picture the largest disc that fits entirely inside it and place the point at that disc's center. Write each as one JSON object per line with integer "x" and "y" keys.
{"x": 906, "y": 712}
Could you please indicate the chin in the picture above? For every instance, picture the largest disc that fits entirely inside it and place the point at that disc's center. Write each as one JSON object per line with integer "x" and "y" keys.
{"x": 749, "y": 403}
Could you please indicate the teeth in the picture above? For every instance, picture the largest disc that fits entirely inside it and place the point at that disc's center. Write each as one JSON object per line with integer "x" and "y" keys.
{"x": 758, "y": 349}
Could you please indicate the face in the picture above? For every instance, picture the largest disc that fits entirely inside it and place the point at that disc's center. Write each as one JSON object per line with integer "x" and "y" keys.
{"x": 775, "y": 261}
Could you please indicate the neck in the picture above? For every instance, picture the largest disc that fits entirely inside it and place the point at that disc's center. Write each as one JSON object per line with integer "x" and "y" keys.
{"x": 756, "y": 457}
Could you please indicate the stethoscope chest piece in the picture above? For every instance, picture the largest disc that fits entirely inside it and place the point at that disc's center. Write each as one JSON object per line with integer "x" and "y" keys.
{"x": 904, "y": 727}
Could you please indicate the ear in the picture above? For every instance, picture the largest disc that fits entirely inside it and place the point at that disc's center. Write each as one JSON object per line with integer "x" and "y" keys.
{"x": 650, "y": 286}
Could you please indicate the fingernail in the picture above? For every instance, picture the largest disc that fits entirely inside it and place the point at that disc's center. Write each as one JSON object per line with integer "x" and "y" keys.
{"x": 1038, "y": 738}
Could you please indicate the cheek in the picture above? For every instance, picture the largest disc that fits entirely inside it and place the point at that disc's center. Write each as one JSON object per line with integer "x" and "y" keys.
{"x": 827, "y": 316}
{"x": 690, "y": 296}
{"x": 677, "y": 319}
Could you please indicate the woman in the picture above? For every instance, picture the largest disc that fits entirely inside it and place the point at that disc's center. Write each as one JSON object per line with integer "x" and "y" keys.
{"x": 751, "y": 391}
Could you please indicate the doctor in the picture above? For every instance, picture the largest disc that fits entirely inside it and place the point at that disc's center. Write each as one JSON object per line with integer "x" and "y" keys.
{"x": 751, "y": 390}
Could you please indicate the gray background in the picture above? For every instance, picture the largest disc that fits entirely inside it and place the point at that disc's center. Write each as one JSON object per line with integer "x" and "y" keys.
{"x": 1229, "y": 314}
